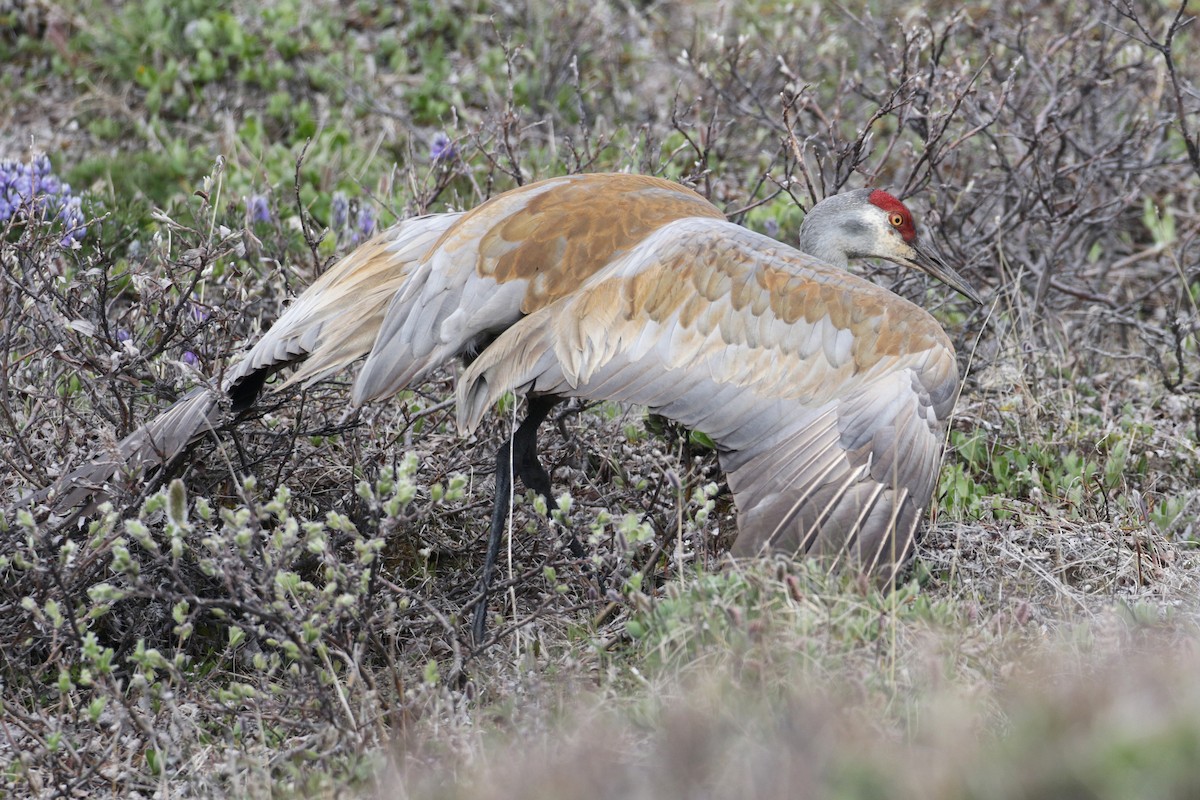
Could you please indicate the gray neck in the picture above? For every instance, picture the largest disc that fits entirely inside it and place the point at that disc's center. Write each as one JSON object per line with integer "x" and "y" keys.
{"x": 831, "y": 228}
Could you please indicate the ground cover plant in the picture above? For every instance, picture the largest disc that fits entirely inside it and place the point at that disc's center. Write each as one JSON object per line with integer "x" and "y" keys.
{"x": 286, "y": 612}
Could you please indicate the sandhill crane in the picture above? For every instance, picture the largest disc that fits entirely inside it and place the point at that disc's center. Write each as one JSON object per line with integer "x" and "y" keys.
{"x": 825, "y": 394}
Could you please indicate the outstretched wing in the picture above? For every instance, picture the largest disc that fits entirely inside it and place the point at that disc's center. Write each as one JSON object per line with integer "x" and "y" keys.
{"x": 826, "y": 395}
{"x": 516, "y": 253}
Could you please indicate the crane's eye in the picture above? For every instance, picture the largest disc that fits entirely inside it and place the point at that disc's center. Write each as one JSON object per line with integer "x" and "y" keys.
{"x": 897, "y": 220}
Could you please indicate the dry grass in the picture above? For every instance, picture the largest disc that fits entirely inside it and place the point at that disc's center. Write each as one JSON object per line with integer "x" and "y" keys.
{"x": 1083, "y": 736}
{"x": 767, "y": 691}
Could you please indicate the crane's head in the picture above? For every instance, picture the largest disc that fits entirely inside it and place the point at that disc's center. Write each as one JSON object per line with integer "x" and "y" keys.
{"x": 870, "y": 223}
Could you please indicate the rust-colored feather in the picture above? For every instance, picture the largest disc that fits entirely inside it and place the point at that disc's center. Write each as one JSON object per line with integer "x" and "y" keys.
{"x": 332, "y": 324}
{"x": 335, "y": 321}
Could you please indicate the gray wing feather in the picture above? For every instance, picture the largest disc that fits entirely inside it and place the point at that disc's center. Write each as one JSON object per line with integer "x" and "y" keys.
{"x": 335, "y": 321}
{"x": 444, "y": 310}
{"x": 150, "y": 445}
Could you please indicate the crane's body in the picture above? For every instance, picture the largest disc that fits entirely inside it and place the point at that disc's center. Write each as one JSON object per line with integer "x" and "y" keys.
{"x": 827, "y": 396}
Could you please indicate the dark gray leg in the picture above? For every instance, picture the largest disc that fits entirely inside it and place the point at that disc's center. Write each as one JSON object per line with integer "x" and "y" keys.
{"x": 525, "y": 465}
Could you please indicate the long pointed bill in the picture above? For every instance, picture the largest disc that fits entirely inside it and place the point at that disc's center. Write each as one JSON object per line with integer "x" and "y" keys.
{"x": 932, "y": 263}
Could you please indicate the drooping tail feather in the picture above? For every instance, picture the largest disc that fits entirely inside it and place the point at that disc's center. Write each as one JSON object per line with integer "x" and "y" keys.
{"x": 154, "y": 444}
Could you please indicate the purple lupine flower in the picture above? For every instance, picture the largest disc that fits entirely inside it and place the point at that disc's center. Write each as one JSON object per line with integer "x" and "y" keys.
{"x": 190, "y": 358}
{"x": 442, "y": 148}
{"x": 351, "y": 220}
{"x": 339, "y": 208}
{"x": 71, "y": 214}
{"x": 29, "y": 191}
{"x": 258, "y": 209}
{"x": 366, "y": 223}
{"x": 21, "y": 188}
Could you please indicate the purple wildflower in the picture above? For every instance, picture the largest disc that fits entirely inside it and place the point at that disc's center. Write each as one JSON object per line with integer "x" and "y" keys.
{"x": 71, "y": 214}
{"x": 339, "y": 209}
{"x": 190, "y": 358}
{"x": 199, "y": 313}
{"x": 366, "y": 224}
{"x": 258, "y": 209}
{"x": 351, "y": 220}
{"x": 123, "y": 335}
{"x": 442, "y": 148}
{"x": 31, "y": 191}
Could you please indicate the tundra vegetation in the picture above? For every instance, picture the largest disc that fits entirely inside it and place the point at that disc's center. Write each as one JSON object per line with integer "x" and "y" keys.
{"x": 285, "y": 613}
